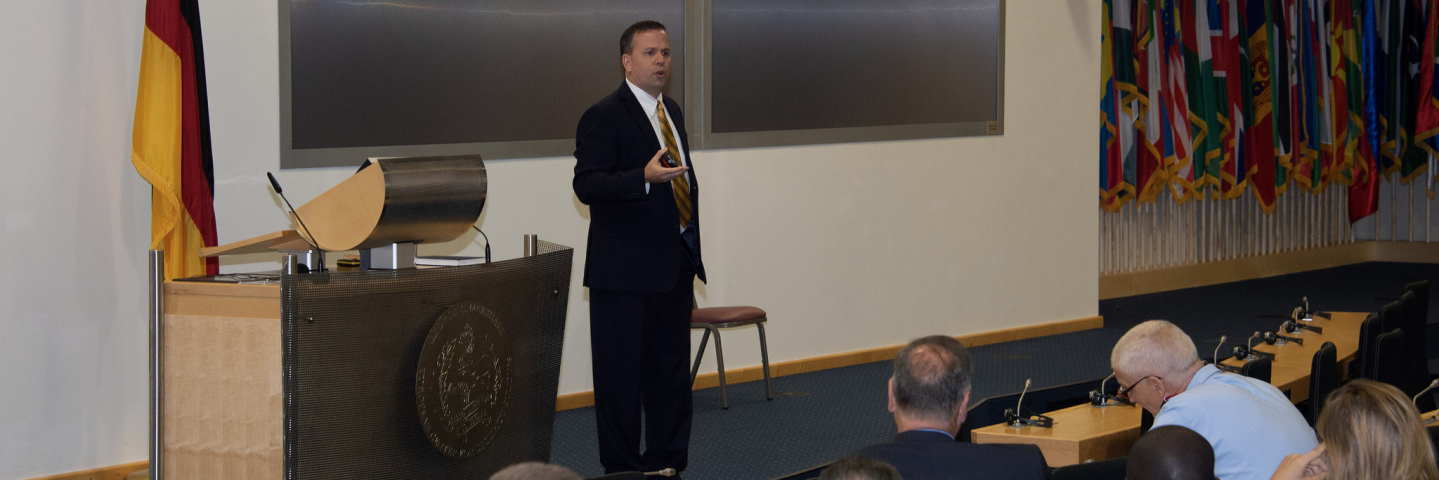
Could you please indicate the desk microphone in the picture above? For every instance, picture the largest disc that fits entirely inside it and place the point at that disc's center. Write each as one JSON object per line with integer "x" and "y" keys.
{"x": 281, "y": 192}
{"x": 1017, "y": 419}
{"x": 1291, "y": 326}
{"x": 1222, "y": 338}
{"x": 668, "y": 472}
{"x": 487, "y": 242}
{"x": 312, "y": 241}
{"x": 1020, "y": 404}
{"x": 1100, "y": 398}
{"x": 1431, "y": 386}
{"x": 1276, "y": 339}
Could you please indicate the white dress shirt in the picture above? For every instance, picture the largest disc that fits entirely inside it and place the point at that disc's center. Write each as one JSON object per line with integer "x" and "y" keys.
{"x": 650, "y": 104}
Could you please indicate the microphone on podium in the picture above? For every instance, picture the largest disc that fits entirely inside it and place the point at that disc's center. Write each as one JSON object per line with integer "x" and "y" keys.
{"x": 281, "y": 192}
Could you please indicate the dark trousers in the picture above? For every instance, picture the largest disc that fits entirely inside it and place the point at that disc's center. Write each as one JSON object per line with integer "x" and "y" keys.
{"x": 640, "y": 345}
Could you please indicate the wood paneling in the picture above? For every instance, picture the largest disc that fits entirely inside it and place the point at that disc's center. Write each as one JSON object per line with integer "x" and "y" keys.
{"x": 805, "y": 365}
{"x": 116, "y": 472}
{"x": 1166, "y": 279}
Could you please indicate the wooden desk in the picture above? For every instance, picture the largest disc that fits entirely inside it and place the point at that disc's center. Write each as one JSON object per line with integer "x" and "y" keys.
{"x": 1086, "y": 432}
{"x": 1080, "y": 433}
{"x": 1292, "y": 361}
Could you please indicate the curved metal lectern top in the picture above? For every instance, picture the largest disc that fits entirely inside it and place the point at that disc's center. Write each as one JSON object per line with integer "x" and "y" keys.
{"x": 398, "y": 200}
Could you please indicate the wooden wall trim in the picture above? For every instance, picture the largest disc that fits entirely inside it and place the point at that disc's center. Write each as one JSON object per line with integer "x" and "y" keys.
{"x": 116, "y": 472}
{"x": 806, "y": 365}
{"x": 1261, "y": 266}
{"x": 739, "y": 375}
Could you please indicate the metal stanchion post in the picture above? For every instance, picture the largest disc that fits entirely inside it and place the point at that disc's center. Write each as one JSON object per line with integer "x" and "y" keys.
{"x": 532, "y": 245}
{"x": 157, "y": 313}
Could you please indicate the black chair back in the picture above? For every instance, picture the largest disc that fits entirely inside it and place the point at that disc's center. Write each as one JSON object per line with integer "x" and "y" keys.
{"x": 1323, "y": 377}
{"x": 1389, "y": 361}
{"x": 991, "y": 410}
{"x": 1112, "y": 469}
{"x": 1416, "y": 355}
{"x": 1391, "y": 316}
{"x": 1363, "y": 364}
{"x": 1421, "y": 293}
{"x": 1261, "y": 369}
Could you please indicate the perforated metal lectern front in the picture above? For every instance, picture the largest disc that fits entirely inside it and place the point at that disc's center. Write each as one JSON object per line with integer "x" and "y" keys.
{"x": 352, "y": 346}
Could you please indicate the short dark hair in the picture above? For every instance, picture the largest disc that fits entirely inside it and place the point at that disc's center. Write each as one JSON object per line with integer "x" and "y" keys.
{"x": 859, "y": 468}
{"x": 627, "y": 39}
{"x": 931, "y": 376}
{"x": 1171, "y": 452}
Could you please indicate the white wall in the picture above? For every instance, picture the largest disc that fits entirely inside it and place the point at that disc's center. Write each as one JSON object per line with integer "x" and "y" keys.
{"x": 848, "y": 246}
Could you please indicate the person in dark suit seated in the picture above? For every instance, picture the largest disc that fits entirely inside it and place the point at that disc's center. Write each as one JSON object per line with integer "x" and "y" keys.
{"x": 929, "y": 395}
{"x": 860, "y": 468}
{"x": 1170, "y": 453}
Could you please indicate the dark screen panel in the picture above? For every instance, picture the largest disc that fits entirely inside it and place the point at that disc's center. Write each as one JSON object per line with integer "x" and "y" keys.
{"x": 801, "y": 64}
{"x": 424, "y": 72}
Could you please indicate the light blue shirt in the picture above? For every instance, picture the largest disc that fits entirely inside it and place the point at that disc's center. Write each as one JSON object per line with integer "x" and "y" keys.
{"x": 1250, "y": 423}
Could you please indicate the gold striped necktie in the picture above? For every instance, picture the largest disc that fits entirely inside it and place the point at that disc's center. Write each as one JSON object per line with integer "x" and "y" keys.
{"x": 680, "y": 184}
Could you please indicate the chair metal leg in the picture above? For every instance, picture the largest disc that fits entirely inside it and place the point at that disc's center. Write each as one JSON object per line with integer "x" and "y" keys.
{"x": 695, "y": 371}
{"x": 764, "y": 358}
{"x": 719, "y": 358}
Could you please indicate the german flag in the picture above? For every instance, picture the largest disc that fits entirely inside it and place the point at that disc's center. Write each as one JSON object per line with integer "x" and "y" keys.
{"x": 171, "y": 138}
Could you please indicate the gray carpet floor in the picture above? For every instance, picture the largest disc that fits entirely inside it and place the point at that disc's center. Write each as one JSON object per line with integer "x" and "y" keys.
{"x": 822, "y": 416}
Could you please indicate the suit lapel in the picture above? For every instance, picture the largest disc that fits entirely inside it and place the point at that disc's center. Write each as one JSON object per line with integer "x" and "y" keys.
{"x": 642, "y": 121}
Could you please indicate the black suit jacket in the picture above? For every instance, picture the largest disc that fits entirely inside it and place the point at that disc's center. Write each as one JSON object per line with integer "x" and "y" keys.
{"x": 634, "y": 241}
{"x": 922, "y": 455}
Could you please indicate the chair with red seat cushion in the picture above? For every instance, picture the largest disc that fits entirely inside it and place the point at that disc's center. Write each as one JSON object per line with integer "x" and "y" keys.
{"x": 711, "y": 320}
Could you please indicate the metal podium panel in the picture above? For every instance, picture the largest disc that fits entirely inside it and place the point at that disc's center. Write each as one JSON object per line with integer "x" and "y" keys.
{"x": 352, "y": 350}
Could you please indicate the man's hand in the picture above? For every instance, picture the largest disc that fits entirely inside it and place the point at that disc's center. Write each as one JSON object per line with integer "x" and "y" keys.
{"x": 657, "y": 172}
{"x": 1308, "y": 465}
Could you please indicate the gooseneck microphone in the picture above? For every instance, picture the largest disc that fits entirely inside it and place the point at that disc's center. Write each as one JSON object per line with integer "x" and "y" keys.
{"x": 1274, "y": 338}
{"x": 312, "y": 241}
{"x": 1222, "y": 338}
{"x": 281, "y": 192}
{"x": 1290, "y": 326}
{"x": 1421, "y": 393}
{"x": 487, "y": 246}
{"x": 1100, "y": 398}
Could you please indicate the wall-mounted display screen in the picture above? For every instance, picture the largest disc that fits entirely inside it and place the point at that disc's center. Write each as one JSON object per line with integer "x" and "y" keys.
{"x": 367, "y": 74}
{"x": 801, "y": 64}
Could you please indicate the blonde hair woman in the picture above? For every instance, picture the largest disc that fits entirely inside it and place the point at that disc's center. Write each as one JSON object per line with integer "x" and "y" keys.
{"x": 1369, "y": 430}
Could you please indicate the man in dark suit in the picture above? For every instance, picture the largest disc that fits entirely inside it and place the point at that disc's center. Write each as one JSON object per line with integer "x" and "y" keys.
{"x": 929, "y": 394}
{"x": 642, "y": 258}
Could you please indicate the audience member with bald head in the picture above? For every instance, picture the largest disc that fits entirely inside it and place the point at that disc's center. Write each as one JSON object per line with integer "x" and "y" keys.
{"x": 1170, "y": 453}
{"x": 535, "y": 471}
{"x": 1250, "y": 424}
{"x": 929, "y": 396}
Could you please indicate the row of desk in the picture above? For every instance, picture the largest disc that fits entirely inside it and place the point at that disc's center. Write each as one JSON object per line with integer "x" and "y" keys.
{"x": 1088, "y": 432}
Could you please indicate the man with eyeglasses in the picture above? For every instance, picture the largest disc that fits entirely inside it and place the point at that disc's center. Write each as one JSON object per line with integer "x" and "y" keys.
{"x": 1250, "y": 424}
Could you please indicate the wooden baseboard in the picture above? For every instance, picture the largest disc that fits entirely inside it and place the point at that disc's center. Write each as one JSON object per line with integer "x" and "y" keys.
{"x": 116, "y": 472}
{"x": 805, "y": 365}
{"x": 739, "y": 375}
{"x": 1261, "y": 266}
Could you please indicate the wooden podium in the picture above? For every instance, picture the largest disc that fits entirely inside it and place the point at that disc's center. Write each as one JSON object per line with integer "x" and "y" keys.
{"x": 337, "y": 375}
